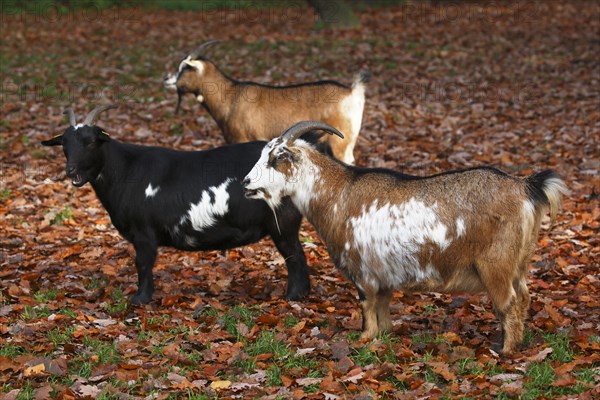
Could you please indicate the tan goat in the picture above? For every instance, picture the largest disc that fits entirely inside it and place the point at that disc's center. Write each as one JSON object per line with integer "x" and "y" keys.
{"x": 248, "y": 111}
{"x": 462, "y": 231}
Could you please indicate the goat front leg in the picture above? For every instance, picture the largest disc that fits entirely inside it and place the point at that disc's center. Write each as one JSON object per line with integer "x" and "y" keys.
{"x": 288, "y": 244}
{"x": 145, "y": 256}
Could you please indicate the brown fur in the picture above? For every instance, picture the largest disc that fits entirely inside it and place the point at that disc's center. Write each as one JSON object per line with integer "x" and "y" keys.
{"x": 491, "y": 255}
{"x": 247, "y": 112}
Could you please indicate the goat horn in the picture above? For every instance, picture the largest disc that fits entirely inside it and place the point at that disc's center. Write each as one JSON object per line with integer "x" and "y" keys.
{"x": 91, "y": 117}
{"x": 71, "y": 114}
{"x": 200, "y": 49}
{"x": 297, "y": 130}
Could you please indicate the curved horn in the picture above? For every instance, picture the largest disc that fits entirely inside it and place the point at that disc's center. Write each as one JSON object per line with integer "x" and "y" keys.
{"x": 203, "y": 47}
{"x": 91, "y": 117}
{"x": 297, "y": 130}
{"x": 69, "y": 111}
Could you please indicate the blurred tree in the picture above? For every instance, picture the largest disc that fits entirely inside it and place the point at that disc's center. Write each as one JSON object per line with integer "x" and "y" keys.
{"x": 335, "y": 13}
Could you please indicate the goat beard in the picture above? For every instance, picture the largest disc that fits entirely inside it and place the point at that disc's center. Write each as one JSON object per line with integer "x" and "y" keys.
{"x": 179, "y": 96}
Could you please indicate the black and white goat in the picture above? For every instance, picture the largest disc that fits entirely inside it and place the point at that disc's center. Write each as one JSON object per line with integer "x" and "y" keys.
{"x": 187, "y": 200}
{"x": 462, "y": 231}
{"x": 247, "y": 111}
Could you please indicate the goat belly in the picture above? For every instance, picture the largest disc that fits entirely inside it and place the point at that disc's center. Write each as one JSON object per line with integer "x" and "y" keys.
{"x": 394, "y": 244}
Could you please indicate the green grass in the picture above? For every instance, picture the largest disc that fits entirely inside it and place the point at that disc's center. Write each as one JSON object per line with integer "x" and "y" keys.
{"x": 106, "y": 351}
{"x": 118, "y": 304}
{"x": 34, "y": 312}
{"x": 68, "y": 312}
{"x": 27, "y": 392}
{"x": 364, "y": 356}
{"x": 45, "y": 296}
{"x": 63, "y": 215}
{"x": 561, "y": 347}
{"x": 274, "y": 375}
{"x": 540, "y": 376}
{"x": 4, "y": 194}
{"x": 290, "y": 321}
{"x": 60, "y": 336}
{"x": 11, "y": 350}
{"x": 267, "y": 343}
{"x": 238, "y": 314}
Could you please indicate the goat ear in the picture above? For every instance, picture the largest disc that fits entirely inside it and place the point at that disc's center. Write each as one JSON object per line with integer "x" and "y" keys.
{"x": 55, "y": 141}
{"x": 193, "y": 63}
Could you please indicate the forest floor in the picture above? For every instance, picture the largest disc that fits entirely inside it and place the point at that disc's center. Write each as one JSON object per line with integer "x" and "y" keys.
{"x": 515, "y": 85}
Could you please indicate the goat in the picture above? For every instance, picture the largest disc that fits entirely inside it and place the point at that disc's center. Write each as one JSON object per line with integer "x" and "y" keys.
{"x": 461, "y": 231}
{"x": 247, "y": 111}
{"x": 186, "y": 200}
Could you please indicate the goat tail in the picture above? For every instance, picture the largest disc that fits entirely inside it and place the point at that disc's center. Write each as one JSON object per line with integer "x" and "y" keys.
{"x": 360, "y": 79}
{"x": 545, "y": 189}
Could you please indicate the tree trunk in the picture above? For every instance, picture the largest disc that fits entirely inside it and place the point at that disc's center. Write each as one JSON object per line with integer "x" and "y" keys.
{"x": 335, "y": 13}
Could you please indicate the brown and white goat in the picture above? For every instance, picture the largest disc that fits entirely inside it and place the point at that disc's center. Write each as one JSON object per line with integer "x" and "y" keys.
{"x": 248, "y": 111}
{"x": 462, "y": 231}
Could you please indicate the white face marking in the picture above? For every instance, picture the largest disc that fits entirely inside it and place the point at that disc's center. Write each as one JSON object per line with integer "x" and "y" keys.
{"x": 460, "y": 227}
{"x": 205, "y": 213}
{"x": 391, "y": 237}
{"x": 266, "y": 179}
{"x": 150, "y": 191}
{"x": 171, "y": 81}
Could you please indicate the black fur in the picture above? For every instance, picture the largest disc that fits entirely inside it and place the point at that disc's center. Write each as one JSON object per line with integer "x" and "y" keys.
{"x": 536, "y": 184}
{"x": 120, "y": 174}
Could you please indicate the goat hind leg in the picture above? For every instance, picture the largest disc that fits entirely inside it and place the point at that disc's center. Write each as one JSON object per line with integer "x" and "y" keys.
{"x": 384, "y": 321}
{"x": 369, "y": 309}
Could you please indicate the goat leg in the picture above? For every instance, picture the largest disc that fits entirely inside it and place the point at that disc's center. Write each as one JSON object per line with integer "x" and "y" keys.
{"x": 145, "y": 256}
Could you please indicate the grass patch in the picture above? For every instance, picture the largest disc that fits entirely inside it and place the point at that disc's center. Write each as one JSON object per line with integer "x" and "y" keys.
{"x": 63, "y": 215}
{"x": 27, "y": 392}
{"x": 119, "y": 303}
{"x": 268, "y": 343}
{"x": 561, "y": 346}
{"x": 290, "y": 321}
{"x": 45, "y": 296}
{"x": 60, "y": 336}
{"x": 238, "y": 314}
{"x": 104, "y": 352}
{"x": 540, "y": 376}
{"x": 365, "y": 355}
{"x": 34, "y": 312}
{"x": 11, "y": 350}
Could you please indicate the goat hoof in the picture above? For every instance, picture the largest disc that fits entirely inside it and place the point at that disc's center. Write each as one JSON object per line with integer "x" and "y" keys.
{"x": 297, "y": 294}
{"x": 140, "y": 299}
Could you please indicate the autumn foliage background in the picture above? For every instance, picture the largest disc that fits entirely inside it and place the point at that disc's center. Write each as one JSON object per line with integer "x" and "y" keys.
{"x": 514, "y": 85}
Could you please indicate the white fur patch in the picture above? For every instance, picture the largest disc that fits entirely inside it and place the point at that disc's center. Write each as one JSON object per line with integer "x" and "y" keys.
{"x": 150, "y": 191}
{"x": 390, "y": 236}
{"x": 205, "y": 213}
{"x": 528, "y": 220}
{"x": 352, "y": 107}
{"x": 197, "y": 64}
{"x": 460, "y": 227}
